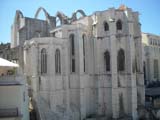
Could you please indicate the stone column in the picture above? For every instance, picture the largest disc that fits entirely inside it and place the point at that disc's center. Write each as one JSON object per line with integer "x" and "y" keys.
{"x": 82, "y": 104}
{"x": 34, "y": 67}
{"x": 25, "y": 59}
{"x": 81, "y": 76}
{"x": 52, "y": 77}
{"x": 67, "y": 73}
{"x": 115, "y": 105}
{"x": 132, "y": 89}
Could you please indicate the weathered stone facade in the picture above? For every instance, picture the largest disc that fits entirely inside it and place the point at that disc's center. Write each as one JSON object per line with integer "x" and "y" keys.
{"x": 5, "y": 51}
{"x": 12, "y": 54}
{"x": 86, "y": 67}
{"x": 151, "y": 57}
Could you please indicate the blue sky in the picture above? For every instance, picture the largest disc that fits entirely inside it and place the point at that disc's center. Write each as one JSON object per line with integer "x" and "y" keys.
{"x": 149, "y": 11}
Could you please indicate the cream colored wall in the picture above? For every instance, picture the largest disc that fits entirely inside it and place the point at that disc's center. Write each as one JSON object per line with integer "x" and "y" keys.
{"x": 12, "y": 96}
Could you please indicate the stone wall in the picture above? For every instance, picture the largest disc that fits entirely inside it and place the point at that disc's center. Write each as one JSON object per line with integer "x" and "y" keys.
{"x": 95, "y": 91}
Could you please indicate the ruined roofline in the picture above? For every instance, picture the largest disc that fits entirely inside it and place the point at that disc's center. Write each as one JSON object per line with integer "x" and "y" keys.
{"x": 121, "y": 8}
{"x": 113, "y": 9}
{"x": 51, "y": 20}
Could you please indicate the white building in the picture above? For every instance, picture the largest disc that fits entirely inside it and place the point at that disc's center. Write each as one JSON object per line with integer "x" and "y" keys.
{"x": 151, "y": 57}
{"x": 86, "y": 67}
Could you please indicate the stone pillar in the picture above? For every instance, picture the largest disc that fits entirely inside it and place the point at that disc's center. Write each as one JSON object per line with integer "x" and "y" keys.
{"x": 132, "y": 89}
{"x": 25, "y": 59}
{"x": 141, "y": 86}
{"x": 34, "y": 54}
{"x": 52, "y": 99}
{"x": 115, "y": 105}
{"x": 66, "y": 59}
{"x": 65, "y": 73}
{"x": 81, "y": 76}
{"x": 34, "y": 67}
{"x": 82, "y": 104}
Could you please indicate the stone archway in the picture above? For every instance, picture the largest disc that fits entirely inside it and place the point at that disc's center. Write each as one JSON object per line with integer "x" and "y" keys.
{"x": 18, "y": 15}
{"x": 74, "y": 15}
{"x": 45, "y": 12}
{"x": 62, "y": 17}
{"x": 50, "y": 20}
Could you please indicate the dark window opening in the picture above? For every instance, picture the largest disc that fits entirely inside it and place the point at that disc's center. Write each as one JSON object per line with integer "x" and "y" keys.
{"x": 84, "y": 44}
{"x": 144, "y": 70}
{"x": 106, "y": 26}
{"x": 121, "y": 60}
{"x": 84, "y": 65}
{"x": 119, "y": 25}
{"x": 72, "y": 44}
{"x": 156, "y": 69}
{"x": 72, "y": 52}
{"x": 107, "y": 60}
{"x": 43, "y": 61}
{"x": 57, "y": 61}
{"x": 73, "y": 65}
{"x": 84, "y": 50}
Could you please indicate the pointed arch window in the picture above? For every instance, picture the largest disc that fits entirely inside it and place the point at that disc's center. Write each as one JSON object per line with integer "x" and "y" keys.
{"x": 107, "y": 60}
{"x": 106, "y": 26}
{"x": 121, "y": 60}
{"x": 72, "y": 43}
{"x": 57, "y": 61}
{"x": 155, "y": 66}
{"x": 43, "y": 61}
{"x": 84, "y": 52}
{"x": 72, "y": 52}
{"x": 119, "y": 25}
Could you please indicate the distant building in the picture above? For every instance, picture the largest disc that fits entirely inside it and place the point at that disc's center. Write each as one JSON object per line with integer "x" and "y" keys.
{"x": 151, "y": 57}
{"x": 84, "y": 67}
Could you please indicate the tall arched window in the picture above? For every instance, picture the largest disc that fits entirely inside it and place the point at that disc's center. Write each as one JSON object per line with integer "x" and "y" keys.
{"x": 119, "y": 25}
{"x": 72, "y": 52}
{"x": 84, "y": 53}
{"x": 57, "y": 61}
{"x": 43, "y": 61}
{"x": 72, "y": 43}
{"x": 156, "y": 71}
{"x": 107, "y": 60}
{"x": 121, "y": 60}
{"x": 106, "y": 26}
